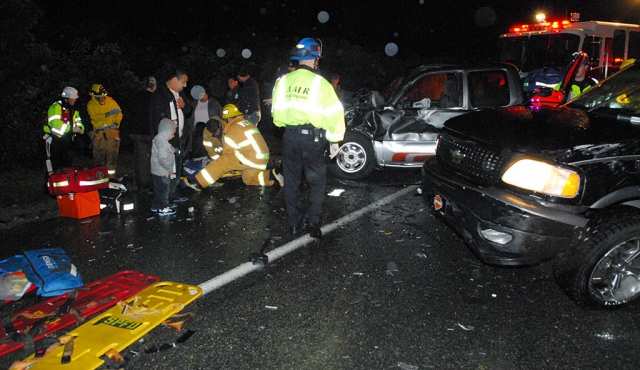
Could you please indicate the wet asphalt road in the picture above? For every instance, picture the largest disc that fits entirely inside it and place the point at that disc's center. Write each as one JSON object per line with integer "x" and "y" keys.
{"x": 393, "y": 288}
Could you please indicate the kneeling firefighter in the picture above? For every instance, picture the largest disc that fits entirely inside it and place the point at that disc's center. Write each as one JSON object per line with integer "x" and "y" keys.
{"x": 244, "y": 149}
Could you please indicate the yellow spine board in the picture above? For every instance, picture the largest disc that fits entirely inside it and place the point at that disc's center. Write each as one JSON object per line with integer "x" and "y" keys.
{"x": 115, "y": 330}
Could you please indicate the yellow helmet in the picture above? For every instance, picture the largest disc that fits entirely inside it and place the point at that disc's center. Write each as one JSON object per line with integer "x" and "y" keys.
{"x": 98, "y": 90}
{"x": 230, "y": 111}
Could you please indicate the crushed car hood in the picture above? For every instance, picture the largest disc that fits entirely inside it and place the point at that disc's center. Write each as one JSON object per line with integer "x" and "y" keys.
{"x": 559, "y": 133}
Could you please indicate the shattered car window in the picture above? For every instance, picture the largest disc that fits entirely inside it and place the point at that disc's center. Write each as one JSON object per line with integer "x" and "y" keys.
{"x": 393, "y": 87}
{"x": 435, "y": 90}
{"x": 488, "y": 89}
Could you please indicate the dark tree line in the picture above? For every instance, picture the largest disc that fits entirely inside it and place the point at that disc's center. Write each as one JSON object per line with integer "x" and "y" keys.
{"x": 41, "y": 54}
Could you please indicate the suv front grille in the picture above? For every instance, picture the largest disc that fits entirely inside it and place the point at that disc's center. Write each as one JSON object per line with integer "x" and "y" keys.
{"x": 469, "y": 159}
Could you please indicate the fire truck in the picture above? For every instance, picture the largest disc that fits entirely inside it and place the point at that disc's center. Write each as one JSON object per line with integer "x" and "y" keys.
{"x": 543, "y": 51}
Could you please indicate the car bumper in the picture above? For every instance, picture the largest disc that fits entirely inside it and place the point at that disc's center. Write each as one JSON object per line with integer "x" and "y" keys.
{"x": 524, "y": 232}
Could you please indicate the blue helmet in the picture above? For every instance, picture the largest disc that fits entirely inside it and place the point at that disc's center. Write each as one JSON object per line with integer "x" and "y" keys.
{"x": 306, "y": 49}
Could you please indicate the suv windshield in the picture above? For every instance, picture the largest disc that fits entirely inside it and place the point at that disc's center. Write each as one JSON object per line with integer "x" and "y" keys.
{"x": 619, "y": 92}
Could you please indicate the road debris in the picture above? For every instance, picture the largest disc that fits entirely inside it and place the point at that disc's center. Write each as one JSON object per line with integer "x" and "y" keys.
{"x": 468, "y": 328}
{"x": 404, "y": 366}
{"x": 336, "y": 193}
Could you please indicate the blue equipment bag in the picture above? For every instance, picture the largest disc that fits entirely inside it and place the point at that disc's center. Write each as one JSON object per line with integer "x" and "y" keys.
{"x": 12, "y": 264}
{"x": 51, "y": 270}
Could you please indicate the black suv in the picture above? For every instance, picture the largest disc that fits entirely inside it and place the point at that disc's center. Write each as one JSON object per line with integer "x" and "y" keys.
{"x": 527, "y": 184}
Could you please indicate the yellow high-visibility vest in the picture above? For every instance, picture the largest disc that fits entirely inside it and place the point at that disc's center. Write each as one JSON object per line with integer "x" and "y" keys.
{"x": 301, "y": 97}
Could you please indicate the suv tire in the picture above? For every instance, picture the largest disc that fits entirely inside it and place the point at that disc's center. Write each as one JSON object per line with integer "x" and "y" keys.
{"x": 602, "y": 270}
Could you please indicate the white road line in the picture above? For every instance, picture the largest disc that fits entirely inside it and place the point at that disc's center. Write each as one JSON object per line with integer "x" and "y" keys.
{"x": 247, "y": 267}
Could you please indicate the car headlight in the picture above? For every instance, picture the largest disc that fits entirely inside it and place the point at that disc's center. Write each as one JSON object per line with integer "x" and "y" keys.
{"x": 543, "y": 178}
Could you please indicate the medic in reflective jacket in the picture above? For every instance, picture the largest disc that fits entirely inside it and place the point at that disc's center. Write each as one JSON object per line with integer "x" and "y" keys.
{"x": 307, "y": 105}
{"x": 63, "y": 121}
{"x": 244, "y": 150}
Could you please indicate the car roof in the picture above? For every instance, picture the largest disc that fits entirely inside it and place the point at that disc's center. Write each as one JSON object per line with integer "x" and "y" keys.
{"x": 434, "y": 67}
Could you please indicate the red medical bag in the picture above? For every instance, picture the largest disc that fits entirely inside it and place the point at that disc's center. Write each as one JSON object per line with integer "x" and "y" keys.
{"x": 78, "y": 180}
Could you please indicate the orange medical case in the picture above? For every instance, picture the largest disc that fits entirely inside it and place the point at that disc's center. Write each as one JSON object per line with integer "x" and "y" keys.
{"x": 79, "y": 205}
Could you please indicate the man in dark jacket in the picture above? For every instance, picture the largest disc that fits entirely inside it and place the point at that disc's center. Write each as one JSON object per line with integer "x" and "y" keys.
{"x": 249, "y": 96}
{"x": 166, "y": 102}
{"x": 139, "y": 132}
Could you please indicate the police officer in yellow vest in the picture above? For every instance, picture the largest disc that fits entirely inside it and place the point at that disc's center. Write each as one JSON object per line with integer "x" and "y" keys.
{"x": 105, "y": 116}
{"x": 307, "y": 105}
{"x": 244, "y": 149}
{"x": 63, "y": 122}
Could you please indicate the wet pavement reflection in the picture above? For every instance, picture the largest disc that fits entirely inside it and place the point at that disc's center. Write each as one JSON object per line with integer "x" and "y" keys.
{"x": 391, "y": 288}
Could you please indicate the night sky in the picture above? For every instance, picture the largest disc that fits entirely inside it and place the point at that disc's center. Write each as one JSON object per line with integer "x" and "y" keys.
{"x": 416, "y": 26}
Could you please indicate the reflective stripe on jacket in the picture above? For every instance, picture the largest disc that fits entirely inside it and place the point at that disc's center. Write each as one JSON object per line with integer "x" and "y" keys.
{"x": 244, "y": 140}
{"x": 58, "y": 120}
{"x": 302, "y": 97}
{"x": 212, "y": 145}
{"x": 104, "y": 116}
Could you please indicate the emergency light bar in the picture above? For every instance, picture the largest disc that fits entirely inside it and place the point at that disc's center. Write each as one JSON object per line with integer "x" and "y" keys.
{"x": 543, "y": 26}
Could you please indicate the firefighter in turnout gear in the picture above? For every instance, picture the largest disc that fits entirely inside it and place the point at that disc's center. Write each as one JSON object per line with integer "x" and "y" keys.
{"x": 244, "y": 149}
{"x": 106, "y": 116}
{"x": 211, "y": 136}
{"x": 63, "y": 124}
{"x": 307, "y": 105}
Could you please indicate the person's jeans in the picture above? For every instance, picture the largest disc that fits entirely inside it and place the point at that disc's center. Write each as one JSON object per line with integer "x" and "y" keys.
{"x": 253, "y": 117}
{"x": 161, "y": 187}
{"x": 174, "y": 191}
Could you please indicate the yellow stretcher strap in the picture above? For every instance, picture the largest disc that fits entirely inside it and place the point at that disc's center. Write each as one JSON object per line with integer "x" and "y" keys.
{"x": 174, "y": 322}
{"x": 22, "y": 365}
{"x": 136, "y": 309}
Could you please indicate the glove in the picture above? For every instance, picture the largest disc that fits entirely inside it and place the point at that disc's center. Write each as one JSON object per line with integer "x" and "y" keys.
{"x": 334, "y": 148}
{"x": 77, "y": 130}
{"x": 112, "y": 112}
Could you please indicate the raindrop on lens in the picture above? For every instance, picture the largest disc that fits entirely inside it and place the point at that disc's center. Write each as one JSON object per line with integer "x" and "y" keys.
{"x": 246, "y": 53}
{"x": 323, "y": 17}
{"x": 220, "y": 52}
{"x": 391, "y": 49}
{"x": 485, "y": 16}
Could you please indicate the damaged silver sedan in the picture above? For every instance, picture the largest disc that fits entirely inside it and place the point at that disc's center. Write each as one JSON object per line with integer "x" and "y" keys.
{"x": 399, "y": 129}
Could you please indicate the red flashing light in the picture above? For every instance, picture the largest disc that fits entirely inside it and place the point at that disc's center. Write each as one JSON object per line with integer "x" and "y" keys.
{"x": 543, "y": 26}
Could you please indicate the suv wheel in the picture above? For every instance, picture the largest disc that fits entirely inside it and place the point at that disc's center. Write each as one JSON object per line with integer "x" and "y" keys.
{"x": 355, "y": 160}
{"x": 603, "y": 270}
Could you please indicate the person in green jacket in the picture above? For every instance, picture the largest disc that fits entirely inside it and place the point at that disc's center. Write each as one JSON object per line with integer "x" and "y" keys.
{"x": 63, "y": 122}
{"x": 580, "y": 82}
{"x": 306, "y": 104}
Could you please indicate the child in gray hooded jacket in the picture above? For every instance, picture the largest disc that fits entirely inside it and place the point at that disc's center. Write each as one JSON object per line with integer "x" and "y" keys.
{"x": 163, "y": 168}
